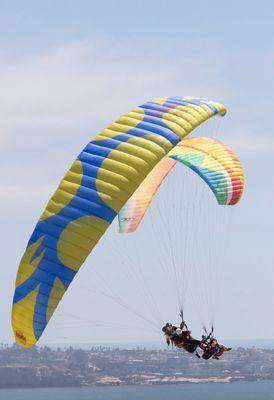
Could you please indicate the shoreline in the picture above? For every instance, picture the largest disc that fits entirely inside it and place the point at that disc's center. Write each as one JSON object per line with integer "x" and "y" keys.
{"x": 171, "y": 382}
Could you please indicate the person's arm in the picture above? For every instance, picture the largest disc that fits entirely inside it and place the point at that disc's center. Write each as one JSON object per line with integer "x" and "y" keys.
{"x": 168, "y": 339}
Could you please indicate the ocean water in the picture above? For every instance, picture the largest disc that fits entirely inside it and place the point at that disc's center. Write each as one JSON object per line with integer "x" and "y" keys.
{"x": 208, "y": 391}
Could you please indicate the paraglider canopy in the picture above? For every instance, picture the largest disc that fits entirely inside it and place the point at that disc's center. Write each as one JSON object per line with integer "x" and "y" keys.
{"x": 99, "y": 183}
{"x": 212, "y": 160}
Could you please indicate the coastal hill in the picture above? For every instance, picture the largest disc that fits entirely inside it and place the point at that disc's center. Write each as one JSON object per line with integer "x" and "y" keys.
{"x": 46, "y": 367}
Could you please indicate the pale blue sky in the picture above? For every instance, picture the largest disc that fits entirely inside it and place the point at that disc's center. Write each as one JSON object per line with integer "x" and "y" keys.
{"x": 68, "y": 68}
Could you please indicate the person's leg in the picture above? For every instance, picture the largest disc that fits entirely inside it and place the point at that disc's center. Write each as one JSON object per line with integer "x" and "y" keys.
{"x": 190, "y": 347}
{"x": 206, "y": 356}
{"x": 220, "y": 352}
{"x": 195, "y": 341}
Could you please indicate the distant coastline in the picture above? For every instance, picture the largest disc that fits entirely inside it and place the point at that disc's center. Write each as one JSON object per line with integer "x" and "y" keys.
{"x": 113, "y": 366}
{"x": 153, "y": 345}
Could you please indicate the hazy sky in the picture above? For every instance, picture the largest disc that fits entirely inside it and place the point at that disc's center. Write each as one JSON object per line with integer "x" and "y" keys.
{"x": 67, "y": 69}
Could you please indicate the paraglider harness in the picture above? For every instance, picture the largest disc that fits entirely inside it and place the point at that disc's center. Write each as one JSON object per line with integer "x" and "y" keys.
{"x": 190, "y": 345}
{"x": 208, "y": 336}
{"x": 209, "y": 351}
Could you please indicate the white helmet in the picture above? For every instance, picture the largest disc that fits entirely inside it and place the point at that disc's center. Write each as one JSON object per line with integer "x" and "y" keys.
{"x": 179, "y": 331}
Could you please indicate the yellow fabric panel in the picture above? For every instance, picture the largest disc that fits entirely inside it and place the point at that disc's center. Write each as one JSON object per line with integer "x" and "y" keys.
{"x": 148, "y": 145}
{"x": 56, "y": 294}
{"x": 161, "y": 141}
{"x": 72, "y": 177}
{"x": 121, "y": 168}
{"x": 139, "y": 154}
{"x": 128, "y": 120}
{"x": 27, "y": 267}
{"x": 186, "y": 116}
{"x": 219, "y": 106}
{"x": 69, "y": 245}
{"x": 60, "y": 199}
{"x": 174, "y": 121}
{"x": 88, "y": 230}
{"x": 130, "y": 158}
{"x": 141, "y": 142}
{"x": 139, "y": 158}
{"x": 203, "y": 110}
{"x": 191, "y": 109}
{"x": 104, "y": 196}
{"x": 22, "y": 317}
{"x": 116, "y": 196}
{"x": 124, "y": 123}
{"x": 114, "y": 178}
{"x": 52, "y": 209}
{"x": 161, "y": 101}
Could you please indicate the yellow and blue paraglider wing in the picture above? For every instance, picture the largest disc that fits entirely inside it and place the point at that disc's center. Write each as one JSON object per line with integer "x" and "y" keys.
{"x": 100, "y": 181}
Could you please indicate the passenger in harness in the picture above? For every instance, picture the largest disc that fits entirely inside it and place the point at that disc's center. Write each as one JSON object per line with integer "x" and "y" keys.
{"x": 183, "y": 339}
{"x": 181, "y": 336}
{"x": 169, "y": 330}
{"x": 214, "y": 349}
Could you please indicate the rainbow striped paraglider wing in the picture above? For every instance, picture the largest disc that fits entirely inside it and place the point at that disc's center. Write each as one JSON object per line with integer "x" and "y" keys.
{"x": 213, "y": 161}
